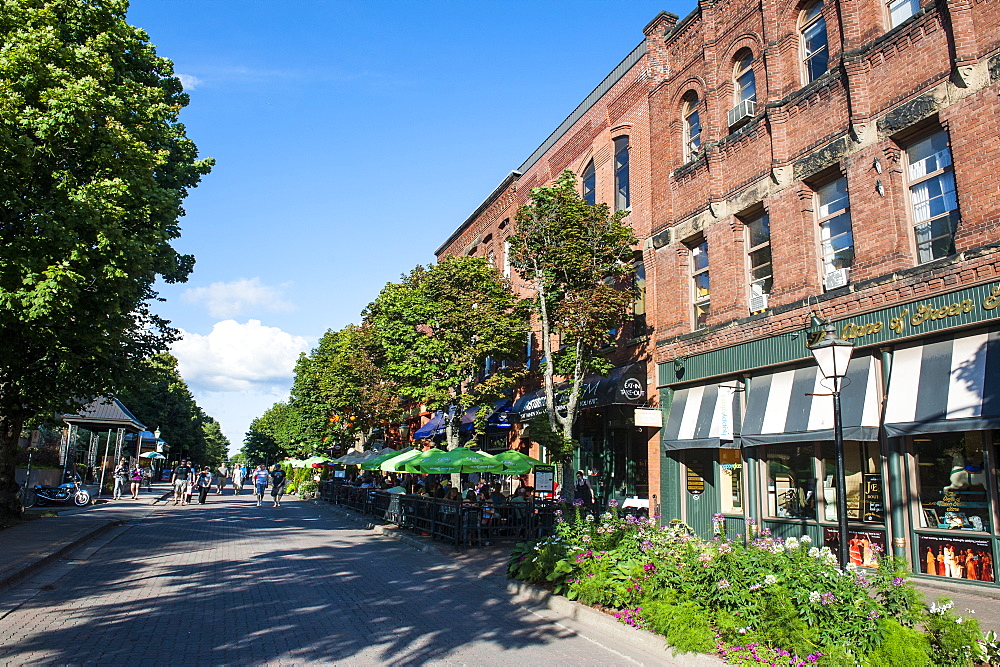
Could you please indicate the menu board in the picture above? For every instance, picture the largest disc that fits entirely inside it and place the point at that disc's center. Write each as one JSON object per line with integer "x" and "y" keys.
{"x": 545, "y": 478}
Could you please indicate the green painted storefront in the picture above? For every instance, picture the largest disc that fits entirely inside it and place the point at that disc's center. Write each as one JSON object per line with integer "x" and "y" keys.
{"x": 699, "y": 483}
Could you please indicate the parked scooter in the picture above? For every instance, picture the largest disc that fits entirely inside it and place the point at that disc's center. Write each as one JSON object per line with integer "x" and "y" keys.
{"x": 64, "y": 493}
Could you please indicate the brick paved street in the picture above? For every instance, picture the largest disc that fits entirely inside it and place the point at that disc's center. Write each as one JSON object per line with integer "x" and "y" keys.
{"x": 232, "y": 583}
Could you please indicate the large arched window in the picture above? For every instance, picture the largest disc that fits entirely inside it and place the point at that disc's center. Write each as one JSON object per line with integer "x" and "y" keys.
{"x": 815, "y": 49}
{"x": 588, "y": 191}
{"x": 692, "y": 126}
{"x": 622, "y": 197}
{"x": 744, "y": 88}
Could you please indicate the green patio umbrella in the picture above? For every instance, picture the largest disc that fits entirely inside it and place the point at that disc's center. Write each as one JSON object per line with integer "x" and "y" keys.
{"x": 460, "y": 459}
{"x": 152, "y": 455}
{"x": 292, "y": 463}
{"x": 423, "y": 457}
{"x": 394, "y": 464}
{"x": 376, "y": 461}
{"x": 516, "y": 463}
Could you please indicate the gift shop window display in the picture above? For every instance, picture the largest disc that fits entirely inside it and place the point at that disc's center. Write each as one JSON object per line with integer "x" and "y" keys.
{"x": 801, "y": 481}
{"x": 955, "y": 511}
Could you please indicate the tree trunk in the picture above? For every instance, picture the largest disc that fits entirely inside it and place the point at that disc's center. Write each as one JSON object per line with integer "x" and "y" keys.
{"x": 10, "y": 434}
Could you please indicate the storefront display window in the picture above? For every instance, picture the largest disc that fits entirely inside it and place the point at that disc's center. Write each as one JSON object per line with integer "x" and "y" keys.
{"x": 791, "y": 481}
{"x": 864, "y": 486}
{"x": 951, "y": 481}
{"x": 731, "y": 481}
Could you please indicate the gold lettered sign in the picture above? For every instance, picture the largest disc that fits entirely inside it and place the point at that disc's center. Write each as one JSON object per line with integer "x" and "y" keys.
{"x": 917, "y": 317}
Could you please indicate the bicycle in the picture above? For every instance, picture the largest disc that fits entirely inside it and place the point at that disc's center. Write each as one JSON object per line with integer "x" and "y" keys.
{"x": 26, "y": 496}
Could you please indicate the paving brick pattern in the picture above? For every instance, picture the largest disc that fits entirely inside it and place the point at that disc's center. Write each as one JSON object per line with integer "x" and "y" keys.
{"x": 232, "y": 583}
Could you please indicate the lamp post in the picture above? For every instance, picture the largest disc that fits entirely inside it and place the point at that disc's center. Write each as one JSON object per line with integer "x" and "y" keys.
{"x": 833, "y": 354}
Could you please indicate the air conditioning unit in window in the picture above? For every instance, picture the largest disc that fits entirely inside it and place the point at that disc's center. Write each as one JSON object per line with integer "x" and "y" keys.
{"x": 758, "y": 302}
{"x": 742, "y": 112}
{"x": 836, "y": 278}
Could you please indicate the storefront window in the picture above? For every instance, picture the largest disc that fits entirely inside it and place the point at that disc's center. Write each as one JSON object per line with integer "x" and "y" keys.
{"x": 864, "y": 483}
{"x": 791, "y": 481}
{"x": 731, "y": 481}
{"x": 951, "y": 481}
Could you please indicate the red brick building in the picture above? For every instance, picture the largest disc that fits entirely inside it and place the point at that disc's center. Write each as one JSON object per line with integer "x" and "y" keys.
{"x": 605, "y": 141}
{"x": 790, "y": 163}
{"x": 835, "y": 159}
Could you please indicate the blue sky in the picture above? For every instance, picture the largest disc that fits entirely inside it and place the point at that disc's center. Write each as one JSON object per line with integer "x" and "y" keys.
{"x": 351, "y": 138}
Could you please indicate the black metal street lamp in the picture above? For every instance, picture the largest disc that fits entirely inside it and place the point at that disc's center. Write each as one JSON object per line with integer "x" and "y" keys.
{"x": 833, "y": 355}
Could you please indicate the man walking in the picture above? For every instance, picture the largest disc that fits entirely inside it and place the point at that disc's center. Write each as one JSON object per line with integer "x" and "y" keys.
{"x": 278, "y": 480}
{"x": 260, "y": 477}
{"x": 121, "y": 478}
{"x": 181, "y": 480}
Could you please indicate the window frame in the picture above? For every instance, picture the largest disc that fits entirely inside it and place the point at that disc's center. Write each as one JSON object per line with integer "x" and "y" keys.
{"x": 936, "y": 174}
{"x": 697, "y": 247}
{"x": 589, "y": 173}
{"x": 690, "y": 109}
{"x": 807, "y": 20}
{"x": 750, "y": 250}
{"x": 823, "y": 219}
{"x": 739, "y": 70}
{"x": 888, "y": 4}
{"x": 622, "y": 147}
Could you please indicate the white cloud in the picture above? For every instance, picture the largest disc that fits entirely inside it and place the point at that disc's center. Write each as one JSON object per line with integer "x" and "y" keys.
{"x": 238, "y": 357}
{"x": 238, "y": 297}
{"x": 189, "y": 82}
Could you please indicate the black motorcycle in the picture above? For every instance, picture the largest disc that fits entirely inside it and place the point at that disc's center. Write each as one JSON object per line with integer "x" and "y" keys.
{"x": 64, "y": 493}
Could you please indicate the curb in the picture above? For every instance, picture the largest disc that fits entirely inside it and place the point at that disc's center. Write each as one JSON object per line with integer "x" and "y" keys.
{"x": 41, "y": 562}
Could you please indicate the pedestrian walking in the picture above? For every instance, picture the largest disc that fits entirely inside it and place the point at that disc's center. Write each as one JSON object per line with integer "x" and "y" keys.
{"x": 260, "y": 478}
{"x": 221, "y": 480}
{"x": 136, "y": 480}
{"x": 239, "y": 473}
{"x": 204, "y": 484}
{"x": 181, "y": 479}
{"x": 121, "y": 478}
{"x": 278, "y": 480}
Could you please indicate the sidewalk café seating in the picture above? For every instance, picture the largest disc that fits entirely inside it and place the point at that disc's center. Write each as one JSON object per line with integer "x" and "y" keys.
{"x": 460, "y": 523}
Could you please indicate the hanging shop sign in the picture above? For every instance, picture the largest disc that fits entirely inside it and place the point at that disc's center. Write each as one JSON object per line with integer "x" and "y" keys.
{"x": 695, "y": 481}
{"x": 872, "y": 507}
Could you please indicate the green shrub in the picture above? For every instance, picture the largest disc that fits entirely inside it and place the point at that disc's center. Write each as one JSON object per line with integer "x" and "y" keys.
{"x": 902, "y": 647}
{"x": 685, "y": 625}
{"x": 954, "y": 640}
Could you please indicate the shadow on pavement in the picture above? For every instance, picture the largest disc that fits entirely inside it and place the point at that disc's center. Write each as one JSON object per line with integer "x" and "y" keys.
{"x": 229, "y": 582}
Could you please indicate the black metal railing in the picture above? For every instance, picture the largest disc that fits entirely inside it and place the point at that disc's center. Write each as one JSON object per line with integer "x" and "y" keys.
{"x": 460, "y": 523}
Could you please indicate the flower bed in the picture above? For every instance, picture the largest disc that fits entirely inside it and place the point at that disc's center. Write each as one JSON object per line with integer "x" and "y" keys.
{"x": 754, "y": 600}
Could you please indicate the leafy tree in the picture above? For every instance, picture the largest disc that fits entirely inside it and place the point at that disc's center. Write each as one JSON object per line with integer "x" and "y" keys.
{"x": 341, "y": 391}
{"x": 160, "y": 398}
{"x": 216, "y": 443}
{"x": 95, "y": 169}
{"x": 575, "y": 256}
{"x": 271, "y": 436}
{"x": 439, "y": 328}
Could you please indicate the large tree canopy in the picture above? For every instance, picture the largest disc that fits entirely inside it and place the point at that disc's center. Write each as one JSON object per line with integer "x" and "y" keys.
{"x": 577, "y": 257}
{"x": 451, "y": 336}
{"x": 95, "y": 169}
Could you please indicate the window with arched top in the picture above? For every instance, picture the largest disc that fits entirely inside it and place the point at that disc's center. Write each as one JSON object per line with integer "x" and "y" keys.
{"x": 744, "y": 89}
{"x": 588, "y": 190}
{"x": 815, "y": 48}
{"x": 692, "y": 126}
{"x": 623, "y": 198}
{"x": 744, "y": 82}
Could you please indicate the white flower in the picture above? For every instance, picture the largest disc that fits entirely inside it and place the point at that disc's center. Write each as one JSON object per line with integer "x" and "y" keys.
{"x": 815, "y": 597}
{"x": 806, "y": 540}
{"x": 814, "y": 552}
{"x": 590, "y": 518}
{"x": 791, "y": 543}
{"x": 770, "y": 579}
